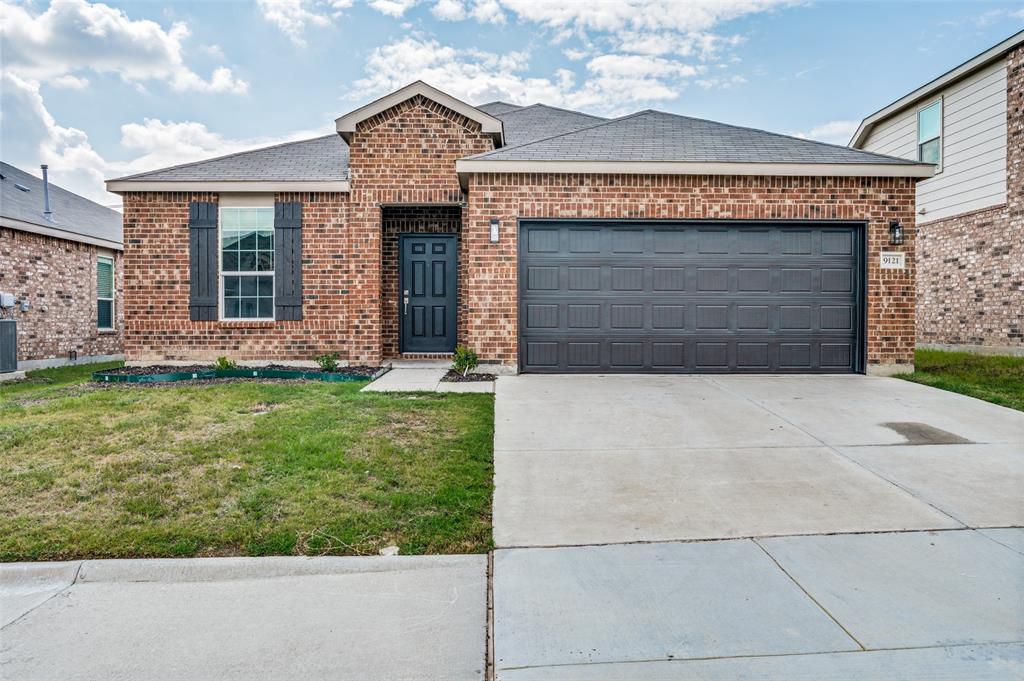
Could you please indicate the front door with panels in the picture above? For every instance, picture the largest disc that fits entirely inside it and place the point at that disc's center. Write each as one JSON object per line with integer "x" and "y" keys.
{"x": 427, "y": 292}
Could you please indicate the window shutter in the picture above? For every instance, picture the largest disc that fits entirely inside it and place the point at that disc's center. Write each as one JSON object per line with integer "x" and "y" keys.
{"x": 202, "y": 261}
{"x": 288, "y": 261}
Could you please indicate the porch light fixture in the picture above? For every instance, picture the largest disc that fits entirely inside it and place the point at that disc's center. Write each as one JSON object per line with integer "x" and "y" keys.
{"x": 895, "y": 233}
{"x": 494, "y": 231}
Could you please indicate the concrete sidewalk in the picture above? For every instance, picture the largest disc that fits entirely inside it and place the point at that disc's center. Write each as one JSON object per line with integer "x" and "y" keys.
{"x": 919, "y": 605}
{"x": 403, "y": 617}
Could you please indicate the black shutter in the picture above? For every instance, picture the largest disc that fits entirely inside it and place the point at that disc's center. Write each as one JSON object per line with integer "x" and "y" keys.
{"x": 202, "y": 261}
{"x": 288, "y": 261}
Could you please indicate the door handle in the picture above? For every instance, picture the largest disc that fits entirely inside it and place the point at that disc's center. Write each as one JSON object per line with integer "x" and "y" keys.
{"x": 405, "y": 302}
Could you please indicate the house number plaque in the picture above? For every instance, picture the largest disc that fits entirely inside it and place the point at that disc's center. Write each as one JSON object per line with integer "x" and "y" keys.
{"x": 893, "y": 260}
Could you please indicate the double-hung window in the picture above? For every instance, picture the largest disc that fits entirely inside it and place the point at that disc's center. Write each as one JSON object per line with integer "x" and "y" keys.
{"x": 929, "y": 134}
{"x": 247, "y": 263}
{"x": 104, "y": 293}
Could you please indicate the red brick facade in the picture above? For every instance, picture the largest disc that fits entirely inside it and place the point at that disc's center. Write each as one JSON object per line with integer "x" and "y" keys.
{"x": 490, "y": 282}
{"x": 407, "y": 155}
{"x": 157, "y": 287}
{"x": 971, "y": 275}
{"x": 58, "y": 278}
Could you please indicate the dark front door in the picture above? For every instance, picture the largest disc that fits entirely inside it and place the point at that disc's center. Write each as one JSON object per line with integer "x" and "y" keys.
{"x": 427, "y": 299}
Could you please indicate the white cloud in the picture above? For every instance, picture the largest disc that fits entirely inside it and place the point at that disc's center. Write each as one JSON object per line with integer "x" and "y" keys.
{"x": 449, "y": 10}
{"x": 833, "y": 132}
{"x": 69, "y": 82}
{"x": 721, "y": 82}
{"x": 151, "y": 144}
{"x": 637, "y": 15}
{"x": 74, "y": 36}
{"x": 393, "y": 8}
{"x": 294, "y": 16}
{"x": 615, "y": 83}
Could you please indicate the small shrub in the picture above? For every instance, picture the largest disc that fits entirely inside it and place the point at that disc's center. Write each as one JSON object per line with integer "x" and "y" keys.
{"x": 328, "y": 362}
{"x": 224, "y": 364}
{"x": 464, "y": 360}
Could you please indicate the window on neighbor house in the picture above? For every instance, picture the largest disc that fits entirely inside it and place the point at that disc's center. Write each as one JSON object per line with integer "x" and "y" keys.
{"x": 247, "y": 263}
{"x": 929, "y": 134}
{"x": 104, "y": 293}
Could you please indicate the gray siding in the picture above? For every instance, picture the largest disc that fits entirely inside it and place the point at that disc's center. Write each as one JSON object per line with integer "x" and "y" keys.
{"x": 973, "y": 173}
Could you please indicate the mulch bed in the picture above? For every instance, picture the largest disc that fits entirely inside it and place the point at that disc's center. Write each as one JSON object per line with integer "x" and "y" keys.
{"x": 456, "y": 377}
{"x": 195, "y": 368}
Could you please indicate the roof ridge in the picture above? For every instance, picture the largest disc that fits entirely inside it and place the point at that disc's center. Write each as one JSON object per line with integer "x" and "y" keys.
{"x": 778, "y": 134}
{"x": 557, "y": 108}
{"x": 222, "y": 157}
{"x": 606, "y": 121}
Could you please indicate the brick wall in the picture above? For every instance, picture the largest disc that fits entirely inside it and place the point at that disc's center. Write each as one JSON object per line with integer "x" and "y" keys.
{"x": 490, "y": 279}
{"x": 157, "y": 287}
{"x": 971, "y": 275}
{"x": 58, "y": 278}
{"x": 405, "y": 155}
{"x": 410, "y": 220}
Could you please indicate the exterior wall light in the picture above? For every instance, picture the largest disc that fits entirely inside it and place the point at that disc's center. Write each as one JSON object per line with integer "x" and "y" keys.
{"x": 895, "y": 233}
{"x": 494, "y": 231}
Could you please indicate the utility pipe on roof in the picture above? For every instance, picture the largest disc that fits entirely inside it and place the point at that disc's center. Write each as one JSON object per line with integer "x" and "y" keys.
{"x": 46, "y": 193}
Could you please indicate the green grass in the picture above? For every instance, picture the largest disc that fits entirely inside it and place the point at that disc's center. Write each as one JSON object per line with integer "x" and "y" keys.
{"x": 245, "y": 468}
{"x": 997, "y": 379}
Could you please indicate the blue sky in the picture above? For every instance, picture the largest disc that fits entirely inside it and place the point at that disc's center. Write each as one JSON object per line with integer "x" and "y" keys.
{"x": 102, "y": 90}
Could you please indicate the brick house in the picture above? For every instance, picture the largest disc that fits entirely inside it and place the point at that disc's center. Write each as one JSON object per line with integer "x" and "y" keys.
{"x": 970, "y": 264}
{"x": 547, "y": 240}
{"x": 62, "y": 264}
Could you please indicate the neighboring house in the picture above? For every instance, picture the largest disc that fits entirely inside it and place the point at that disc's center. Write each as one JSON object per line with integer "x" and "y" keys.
{"x": 970, "y": 122}
{"x": 62, "y": 262}
{"x": 546, "y": 240}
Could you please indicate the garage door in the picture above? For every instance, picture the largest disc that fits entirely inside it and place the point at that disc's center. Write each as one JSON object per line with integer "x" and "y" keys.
{"x": 689, "y": 298}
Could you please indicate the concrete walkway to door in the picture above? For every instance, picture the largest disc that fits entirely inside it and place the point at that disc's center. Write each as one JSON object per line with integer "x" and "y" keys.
{"x": 685, "y": 527}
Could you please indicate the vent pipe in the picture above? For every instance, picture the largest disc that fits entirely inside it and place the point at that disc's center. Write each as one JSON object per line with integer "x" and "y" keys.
{"x": 46, "y": 193}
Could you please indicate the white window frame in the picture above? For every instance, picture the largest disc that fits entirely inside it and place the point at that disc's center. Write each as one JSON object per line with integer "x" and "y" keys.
{"x": 113, "y": 293}
{"x": 221, "y": 274}
{"x": 942, "y": 132}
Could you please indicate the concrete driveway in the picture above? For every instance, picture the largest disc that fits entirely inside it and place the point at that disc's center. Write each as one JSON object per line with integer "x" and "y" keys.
{"x": 755, "y": 528}
{"x": 607, "y": 459}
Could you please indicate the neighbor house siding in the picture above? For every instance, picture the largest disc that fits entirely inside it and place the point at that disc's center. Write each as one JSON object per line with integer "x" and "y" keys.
{"x": 58, "y": 279}
{"x": 971, "y": 267}
{"x": 490, "y": 283}
{"x": 973, "y": 169}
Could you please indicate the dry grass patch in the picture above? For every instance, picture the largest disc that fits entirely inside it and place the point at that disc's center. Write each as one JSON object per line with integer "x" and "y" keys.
{"x": 242, "y": 468}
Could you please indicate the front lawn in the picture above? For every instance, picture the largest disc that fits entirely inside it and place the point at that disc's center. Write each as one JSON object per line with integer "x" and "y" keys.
{"x": 243, "y": 468}
{"x": 997, "y": 379}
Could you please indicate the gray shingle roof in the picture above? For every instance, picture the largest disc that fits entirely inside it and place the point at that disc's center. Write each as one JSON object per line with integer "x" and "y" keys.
{"x": 495, "y": 108}
{"x": 659, "y": 136}
{"x": 538, "y": 121}
{"x": 314, "y": 160}
{"x": 541, "y": 133}
{"x": 72, "y": 213}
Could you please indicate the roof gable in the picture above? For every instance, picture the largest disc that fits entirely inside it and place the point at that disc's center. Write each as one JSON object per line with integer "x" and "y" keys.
{"x": 346, "y": 125}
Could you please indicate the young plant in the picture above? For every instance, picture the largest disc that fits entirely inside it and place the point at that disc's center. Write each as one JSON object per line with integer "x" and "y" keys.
{"x": 464, "y": 360}
{"x": 224, "y": 364}
{"x": 329, "y": 362}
